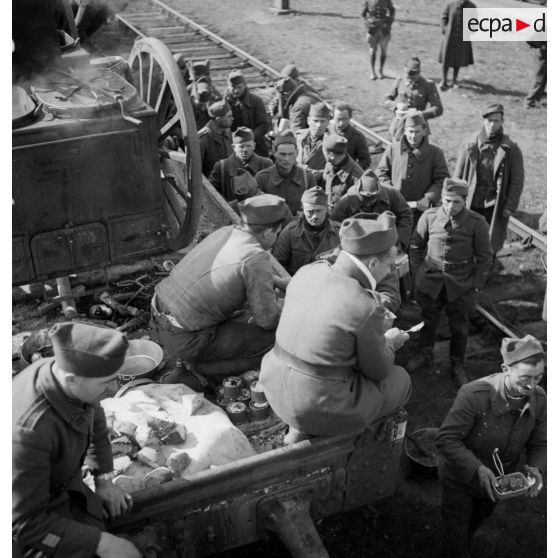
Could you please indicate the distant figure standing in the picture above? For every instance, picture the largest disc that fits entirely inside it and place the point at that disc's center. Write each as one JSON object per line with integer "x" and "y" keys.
{"x": 454, "y": 52}
{"x": 539, "y": 84}
{"x": 378, "y": 16}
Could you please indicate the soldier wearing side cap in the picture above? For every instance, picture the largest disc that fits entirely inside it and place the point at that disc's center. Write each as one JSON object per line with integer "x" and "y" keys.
{"x": 450, "y": 257}
{"x": 506, "y": 410}
{"x": 309, "y": 140}
{"x": 367, "y": 196}
{"x": 198, "y": 310}
{"x": 215, "y": 137}
{"x": 414, "y": 166}
{"x": 340, "y": 171}
{"x": 492, "y": 165}
{"x": 242, "y": 158}
{"x": 248, "y": 110}
{"x": 412, "y": 91}
{"x": 285, "y": 178}
{"x": 308, "y": 235}
{"x": 57, "y": 424}
{"x": 331, "y": 370}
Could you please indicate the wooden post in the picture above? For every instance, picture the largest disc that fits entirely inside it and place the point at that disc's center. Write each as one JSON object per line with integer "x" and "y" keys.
{"x": 281, "y": 7}
{"x": 68, "y": 304}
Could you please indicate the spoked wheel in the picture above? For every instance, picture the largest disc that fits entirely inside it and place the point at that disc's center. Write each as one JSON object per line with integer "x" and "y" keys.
{"x": 160, "y": 84}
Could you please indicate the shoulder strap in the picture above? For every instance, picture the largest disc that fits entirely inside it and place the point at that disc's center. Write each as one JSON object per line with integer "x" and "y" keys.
{"x": 222, "y": 165}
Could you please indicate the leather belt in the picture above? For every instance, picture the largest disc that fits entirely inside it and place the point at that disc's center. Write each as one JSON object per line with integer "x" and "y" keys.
{"x": 448, "y": 266}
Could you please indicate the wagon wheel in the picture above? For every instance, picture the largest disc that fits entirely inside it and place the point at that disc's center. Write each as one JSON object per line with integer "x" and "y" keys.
{"x": 160, "y": 84}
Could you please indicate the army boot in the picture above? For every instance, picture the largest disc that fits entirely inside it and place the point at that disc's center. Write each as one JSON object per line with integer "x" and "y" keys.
{"x": 423, "y": 360}
{"x": 458, "y": 373}
{"x": 182, "y": 374}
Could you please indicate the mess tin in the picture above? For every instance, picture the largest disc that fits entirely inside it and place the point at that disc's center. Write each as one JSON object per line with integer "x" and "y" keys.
{"x": 510, "y": 485}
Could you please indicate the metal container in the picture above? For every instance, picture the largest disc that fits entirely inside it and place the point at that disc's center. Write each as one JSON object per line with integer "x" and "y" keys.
{"x": 143, "y": 360}
{"x": 257, "y": 392}
{"x": 426, "y": 465}
{"x": 237, "y": 412}
{"x": 510, "y": 486}
{"x": 37, "y": 345}
{"x": 232, "y": 387}
{"x": 259, "y": 411}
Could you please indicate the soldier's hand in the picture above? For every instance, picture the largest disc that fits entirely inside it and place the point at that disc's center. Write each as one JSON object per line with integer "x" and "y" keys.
{"x": 116, "y": 501}
{"x": 116, "y": 547}
{"x": 397, "y": 337}
{"x": 537, "y": 475}
{"x": 486, "y": 479}
{"x": 423, "y": 204}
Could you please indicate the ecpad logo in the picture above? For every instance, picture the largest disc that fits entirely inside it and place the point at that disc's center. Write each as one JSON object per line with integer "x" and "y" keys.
{"x": 504, "y": 24}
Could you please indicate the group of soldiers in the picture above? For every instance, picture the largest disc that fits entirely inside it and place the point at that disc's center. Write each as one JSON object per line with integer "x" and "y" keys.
{"x": 322, "y": 335}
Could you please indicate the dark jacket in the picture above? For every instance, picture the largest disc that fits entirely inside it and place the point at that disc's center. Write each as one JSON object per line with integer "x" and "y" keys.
{"x": 250, "y": 111}
{"x": 509, "y": 175}
{"x": 213, "y": 147}
{"x": 420, "y": 94}
{"x": 332, "y": 370}
{"x": 357, "y": 146}
{"x": 290, "y": 188}
{"x": 309, "y": 154}
{"x": 224, "y": 170}
{"x": 223, "y": 273}
{"x": 297, "y": 246}
{"x": 51, "y": 438}
{"x": 479, "y": 421}
{"x": 296, "y": 106}
{"x": 382, "y": 10}
{"x": 415, "y": 172}
{"x": 388, "y": 199}
{"x": 454, "y": 51}
{"x": 336, "y": 182}
{"x": 464, "y": 249}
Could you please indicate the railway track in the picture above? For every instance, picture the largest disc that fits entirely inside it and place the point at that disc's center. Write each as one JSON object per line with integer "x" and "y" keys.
{"x": 153, "y": 18}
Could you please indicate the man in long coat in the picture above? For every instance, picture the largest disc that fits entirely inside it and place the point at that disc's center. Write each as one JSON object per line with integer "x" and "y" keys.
{"x": 309, "y": 140}
{"x": 332, "y": 369}
{"x": 454, "y": 51}
{"x": 215, "y": 137}
{"x": 492, "y": 165}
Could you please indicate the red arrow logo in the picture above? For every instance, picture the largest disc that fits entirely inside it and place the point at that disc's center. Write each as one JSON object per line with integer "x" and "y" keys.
{"x": 519, "y": 25}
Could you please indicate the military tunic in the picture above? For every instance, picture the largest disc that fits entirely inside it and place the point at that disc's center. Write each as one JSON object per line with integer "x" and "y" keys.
{"x": 296, "y": 106}
{"x": 336, "y": 180}
{"x": 419, "y": 95}
{"x": 310, "y": 152}
{"x": 290, "y": 187}
{"x": 214, "y": 146}
{"x": 357, "y": 146}
{"x": 332, "y": 370}
{"x": 52, "y": 436}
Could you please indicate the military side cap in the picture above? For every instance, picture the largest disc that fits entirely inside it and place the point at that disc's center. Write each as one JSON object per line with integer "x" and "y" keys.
{"x": 314, "y": 195}
{"x": 319, "y": 110}
{"x": 491, "y": 108}
{"x": 262, "y": 210}
{"x": 414, "y": 118}
{"x": 285, "y": 85}
{"x": 220, "y": 108}
{"x": 335, "y": 143}
{"x": 368, "y": 182}
{"x": 366, "y": 237}
{"x": 455, "y": 186}
{"x": 87, "y": 350}
{"x": 284, "y": 137}
{"x": 516, "y": 350}
{"x": 290, "y": 71}
{"x": 236, "y": 77}
{"x": 413, "y": 65}
{"x": 244, "y": 184}
{"x": 242, "y": 134}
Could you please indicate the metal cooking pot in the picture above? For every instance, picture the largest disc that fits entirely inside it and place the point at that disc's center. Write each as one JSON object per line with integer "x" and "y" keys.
{"x": 143, "y": 360}
{"x": 38, "y": 344}
{"x": 420, "y": 448}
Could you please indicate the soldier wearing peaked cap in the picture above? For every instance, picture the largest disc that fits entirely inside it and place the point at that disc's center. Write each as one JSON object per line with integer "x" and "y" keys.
{"x": 242, "y": 158}
{"x": 198, "y": 310}
{"x": 331, "y": 370}
{"x": 492, "y": 165}
{"x": 506, "y": 410}
{"x": 450, "y": 257}
{"x": 56, "y": 422}
{"x": 215, "y": 137}
{"x": 248, "y": 110}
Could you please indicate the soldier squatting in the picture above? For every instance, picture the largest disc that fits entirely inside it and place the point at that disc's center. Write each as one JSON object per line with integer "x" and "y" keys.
{"x": 323, "y": 338}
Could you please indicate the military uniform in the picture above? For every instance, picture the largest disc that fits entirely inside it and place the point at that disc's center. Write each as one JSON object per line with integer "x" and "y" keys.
{"x": 378, "y": 12}
{"x": 337, "y": 179}
{"x": 224, "y": 170}
{"x": 357, "y": 146}
{"x": 388, "y": 199}
{"x": 198, "y": 309}
{"x": 52, "y": 435}
{"x": 480, "y": 420}
{"x": 450, "y": 259}
{"x": 419, "y": 95}
{"x": 331, "y": 370}
{"x": 290, "y": 188}
{"x": 214, "y": 146}
{"x": 296, "y": 106}
{"x": 299, "y": 244}
{"x": 310, "y": 152}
